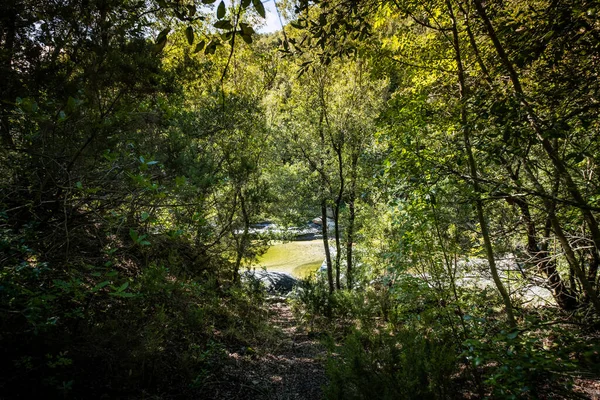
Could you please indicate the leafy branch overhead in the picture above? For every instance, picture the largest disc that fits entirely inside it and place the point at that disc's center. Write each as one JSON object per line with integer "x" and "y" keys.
{"x": 231, "y": 24}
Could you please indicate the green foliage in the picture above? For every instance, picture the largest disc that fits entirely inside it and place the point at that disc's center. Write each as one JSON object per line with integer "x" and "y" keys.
{"x": 128, "y": 334}
{"x": 528, "y": 364}
{"x": 312, "y": 298}
{"x": 404, "y": 364}
{"x": 133, "y": 165}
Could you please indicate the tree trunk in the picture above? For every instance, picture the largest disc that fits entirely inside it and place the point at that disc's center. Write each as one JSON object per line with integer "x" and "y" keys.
{"x": 7, "y": 91}
{"x": 351, "y": 219}
{"x": 336, "y": 214}
{"x": 243, "y": 242}
{"x": 564, "y": 242}
{"x": 538, "y": 254}
{"x": 463, "y": 93}
{"x": 323, "y": 189}
{"x": 326, "y": 245}
{"x": 536, "y": 124}
{"x": 539, "y": 257}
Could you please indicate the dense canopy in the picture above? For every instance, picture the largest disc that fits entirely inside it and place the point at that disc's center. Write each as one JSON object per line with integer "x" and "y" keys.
{"x": 443, "y": 154}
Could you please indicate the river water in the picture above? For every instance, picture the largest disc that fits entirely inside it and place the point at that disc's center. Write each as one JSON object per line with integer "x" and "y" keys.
{"x": 298, "y": 258}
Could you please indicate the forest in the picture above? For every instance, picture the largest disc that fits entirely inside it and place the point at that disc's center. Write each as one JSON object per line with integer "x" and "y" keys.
{"x": 439, "y": 160}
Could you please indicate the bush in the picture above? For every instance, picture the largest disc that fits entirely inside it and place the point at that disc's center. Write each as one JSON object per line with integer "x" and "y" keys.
{"x": 535, "y": 363}
{"x": 90, "y": 331}
{"x": 402, "y": 365}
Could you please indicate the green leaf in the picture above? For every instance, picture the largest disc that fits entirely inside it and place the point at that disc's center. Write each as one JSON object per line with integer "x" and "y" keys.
{"x": 134, "y": 235}
{"x": 161, "y": 40}
{"x": 245, "y": 4}
{"x": 180, "y": 181}
{"x": 200, "y": 46}
{"x": 189, "y": 34}
{"x": 221, "y": 10}
{"x": 246, "y": 29}
{"x": 191, "y": 10}
{"x": 160, "y": 45}
{"x": 247, "y": 38}
{"x": 512, "y": 335}
{"x": 71, "y": 104}
{"x": 208, "y": 1}
{"x": 100, "y": 286}
{"x": 258, "y": 5}
{"x": 123, "y": 294}
{"x": 145, "y": 216}
{"x": 224, "y": 24}
{"x": 123, "y": 287}
{"x": 211, "y": 47}
{"x": 163, "y": 34}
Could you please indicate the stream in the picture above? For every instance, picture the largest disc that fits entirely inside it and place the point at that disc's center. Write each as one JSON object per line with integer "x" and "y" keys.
{"x": 297, "y": 258}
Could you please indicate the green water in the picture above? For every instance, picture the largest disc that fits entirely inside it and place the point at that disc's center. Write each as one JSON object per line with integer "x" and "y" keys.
{"x": 299, "y": 259}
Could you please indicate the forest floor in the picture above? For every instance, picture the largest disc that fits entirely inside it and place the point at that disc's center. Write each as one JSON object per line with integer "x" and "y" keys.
{"x": 291, "y": 367}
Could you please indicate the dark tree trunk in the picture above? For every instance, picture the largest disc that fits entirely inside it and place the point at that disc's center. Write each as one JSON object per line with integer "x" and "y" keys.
{"x": 463, "y": 92}
{"x": 6, "y": 58}
{"x": 542, "y": 260}
{"x": 537, "y": 126}
{"x": 336, "y": 215}
{"x": 326, "y": 245}
{"x": 588, "y": 288}
{"x": 323, "y": 191}
{"x": 351, "y": 219}
{"x": 242, "y": 244}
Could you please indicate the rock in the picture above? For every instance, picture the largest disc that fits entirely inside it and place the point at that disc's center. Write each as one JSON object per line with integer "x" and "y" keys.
{"x": 275, "y": 282}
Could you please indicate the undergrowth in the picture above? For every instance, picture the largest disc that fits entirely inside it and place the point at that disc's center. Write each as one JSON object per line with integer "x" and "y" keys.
{"x": 116, "y": 327}
{"x": 411, "y": 341}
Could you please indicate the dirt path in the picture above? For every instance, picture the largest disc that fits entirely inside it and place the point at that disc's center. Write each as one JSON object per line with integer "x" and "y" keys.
{"x": 288, "y": 369}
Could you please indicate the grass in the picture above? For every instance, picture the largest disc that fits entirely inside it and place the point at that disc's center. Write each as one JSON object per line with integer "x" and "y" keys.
{"x": 295, "y": 258}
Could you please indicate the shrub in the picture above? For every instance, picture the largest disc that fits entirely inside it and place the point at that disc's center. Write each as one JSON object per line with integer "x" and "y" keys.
{"x": 404, "y": 365}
